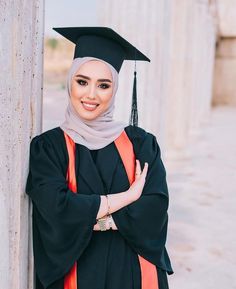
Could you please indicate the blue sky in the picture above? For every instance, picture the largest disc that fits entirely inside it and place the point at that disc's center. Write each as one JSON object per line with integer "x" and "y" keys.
{"x": 59, "y": 13}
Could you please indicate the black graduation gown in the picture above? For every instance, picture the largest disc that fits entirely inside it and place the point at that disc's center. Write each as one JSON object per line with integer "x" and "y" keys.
{"x": 63, "y": 221}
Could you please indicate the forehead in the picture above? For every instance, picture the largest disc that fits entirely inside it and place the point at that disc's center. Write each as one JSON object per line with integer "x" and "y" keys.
{"x": 95, "y": 69}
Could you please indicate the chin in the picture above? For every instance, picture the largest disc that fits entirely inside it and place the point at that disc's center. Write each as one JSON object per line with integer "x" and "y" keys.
{"x": 88, "y": 115}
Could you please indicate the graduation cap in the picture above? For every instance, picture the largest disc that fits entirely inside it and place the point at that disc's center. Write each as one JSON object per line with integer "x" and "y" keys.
{"x": 104, "y": 43}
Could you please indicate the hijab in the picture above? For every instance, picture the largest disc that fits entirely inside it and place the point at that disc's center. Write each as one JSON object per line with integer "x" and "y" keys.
{"x": 96, "y": 133}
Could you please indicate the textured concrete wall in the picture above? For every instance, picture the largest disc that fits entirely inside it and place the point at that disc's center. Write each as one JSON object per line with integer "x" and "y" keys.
{"x": 225, "y": 71}
{"x": 225, "y": 64}
{"x": 146, "y": 25}
{"x": 21, "y": 47}
{"x": 191, "y": 62}
{"x": 174, "y": 90}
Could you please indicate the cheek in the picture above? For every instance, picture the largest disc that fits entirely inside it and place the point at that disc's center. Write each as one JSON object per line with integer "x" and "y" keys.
{"x": 76, "y": 91}
{"x": 106, "y": 96}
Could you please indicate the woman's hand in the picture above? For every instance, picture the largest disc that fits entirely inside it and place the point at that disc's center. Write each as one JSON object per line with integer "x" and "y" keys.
{"x": 113, "y": 226}
{"x": 96, "y": 227}
{"x": 120, "y": 200}
{"x": 136, "y": 188}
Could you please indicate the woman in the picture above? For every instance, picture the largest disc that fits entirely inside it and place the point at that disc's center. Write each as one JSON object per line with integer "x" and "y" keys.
{"x": 100, "y": 228}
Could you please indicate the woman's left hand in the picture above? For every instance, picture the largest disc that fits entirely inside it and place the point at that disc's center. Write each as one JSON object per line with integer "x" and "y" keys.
{"x": 96, "y": 227}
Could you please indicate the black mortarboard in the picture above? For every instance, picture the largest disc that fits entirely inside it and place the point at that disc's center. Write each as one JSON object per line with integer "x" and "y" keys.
{"x": 104, "y": 43}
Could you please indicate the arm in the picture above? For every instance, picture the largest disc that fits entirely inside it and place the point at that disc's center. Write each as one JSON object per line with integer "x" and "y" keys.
{"x": 143, "y": 224}
{"x": 62, "y": 220}
{"x": 116, "y": 202}
{"x": 120, "y": 200}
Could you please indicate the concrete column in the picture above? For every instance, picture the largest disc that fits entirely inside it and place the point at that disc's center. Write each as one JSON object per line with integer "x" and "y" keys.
{"x": 145, "y": 24}
{"x": 21, "y": 47}
{"x": 193, "y": 36}
{"x": 174, "y": 90}
{"x": 224, "y": 74}
{"x": 225, "y": 66}
{"x": 204, "y": 40}
{"x": 179, "y": 57}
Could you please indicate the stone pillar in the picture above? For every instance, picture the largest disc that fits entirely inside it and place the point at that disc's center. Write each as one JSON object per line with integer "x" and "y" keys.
{"x": 21, "y": 48}
{"x": 174, "y": 90}
{"x": 146, "y": 25}
{"x": 225, "y": 71}
{"x": 178, "y": 76}
{"x": 225, "y": 65}
{"x": 204, "y": 57}
{"x": 192, "y": 46}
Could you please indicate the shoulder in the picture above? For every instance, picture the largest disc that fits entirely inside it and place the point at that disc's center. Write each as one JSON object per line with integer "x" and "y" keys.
{"x": 140, "y": 135}
{"x": 138, "y": 132}
{"x": 48, "y": 151}
{"x": 51, "y": 136}
{"x": 143, "y": 141}
{"x": 51, "y": 141}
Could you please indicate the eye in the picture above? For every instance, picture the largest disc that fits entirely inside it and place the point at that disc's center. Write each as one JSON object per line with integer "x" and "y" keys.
{"x": 104, "y": 85}
{"x": 81, "y": 82}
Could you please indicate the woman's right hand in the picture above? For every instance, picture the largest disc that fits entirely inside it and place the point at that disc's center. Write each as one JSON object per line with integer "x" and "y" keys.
{"x": 136, "y": 188}
{"x": 120, "y": 200}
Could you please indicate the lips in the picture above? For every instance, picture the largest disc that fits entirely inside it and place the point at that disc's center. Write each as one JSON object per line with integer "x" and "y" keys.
{"x": 90, "y": 106}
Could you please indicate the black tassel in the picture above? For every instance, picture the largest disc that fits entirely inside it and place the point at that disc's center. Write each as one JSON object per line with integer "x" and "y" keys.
{"x": 134, "y": 108}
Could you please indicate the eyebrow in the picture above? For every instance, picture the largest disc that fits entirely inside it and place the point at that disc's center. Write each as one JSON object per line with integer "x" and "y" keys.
{"x": 88, "y": 78}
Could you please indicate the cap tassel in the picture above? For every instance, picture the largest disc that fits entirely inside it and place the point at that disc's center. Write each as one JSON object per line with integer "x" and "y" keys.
{"x": 134, "y": 108}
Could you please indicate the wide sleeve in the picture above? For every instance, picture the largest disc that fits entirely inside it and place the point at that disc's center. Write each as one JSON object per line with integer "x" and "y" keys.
{"x": 143, "y": 223}
{"x": 62, "y": 220}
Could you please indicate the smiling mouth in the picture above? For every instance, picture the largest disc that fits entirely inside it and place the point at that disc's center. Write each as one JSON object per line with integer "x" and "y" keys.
{"x": 89, "y": 106}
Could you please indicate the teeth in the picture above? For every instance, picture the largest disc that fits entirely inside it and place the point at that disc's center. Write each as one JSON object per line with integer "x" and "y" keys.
{"x": 89, "y": 105}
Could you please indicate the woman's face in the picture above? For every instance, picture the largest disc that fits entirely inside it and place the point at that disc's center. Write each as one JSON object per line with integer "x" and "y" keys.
{"x": 91, "y": 89}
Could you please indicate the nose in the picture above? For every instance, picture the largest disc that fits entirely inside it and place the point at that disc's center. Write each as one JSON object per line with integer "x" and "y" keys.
{"x": 92, "y": 92}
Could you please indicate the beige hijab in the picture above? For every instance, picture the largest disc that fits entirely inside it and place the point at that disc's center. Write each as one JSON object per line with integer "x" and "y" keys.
{"x": 97, "y": 133}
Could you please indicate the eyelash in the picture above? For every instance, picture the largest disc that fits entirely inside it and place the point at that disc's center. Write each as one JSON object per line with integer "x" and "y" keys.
{"x": 105, "y": 86}
{"x": 83, "y": 83}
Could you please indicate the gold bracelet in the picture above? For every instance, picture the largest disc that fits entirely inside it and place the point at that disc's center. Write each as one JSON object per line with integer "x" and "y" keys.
{"x": 108, "y": 206}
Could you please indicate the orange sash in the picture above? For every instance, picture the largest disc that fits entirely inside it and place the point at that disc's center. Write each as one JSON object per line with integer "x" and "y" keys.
{"x": 125, "y": 149}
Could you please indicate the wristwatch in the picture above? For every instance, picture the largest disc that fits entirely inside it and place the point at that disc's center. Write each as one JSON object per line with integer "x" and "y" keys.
{"x": 102, "y": 223}
{"x": 109, "y": 221}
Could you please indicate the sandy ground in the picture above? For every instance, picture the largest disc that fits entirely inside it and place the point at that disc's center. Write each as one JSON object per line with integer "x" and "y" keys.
{"x": 202, "y": 214}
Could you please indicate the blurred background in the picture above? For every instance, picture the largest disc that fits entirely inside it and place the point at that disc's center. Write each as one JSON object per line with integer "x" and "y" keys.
{"x": 187, "y": 98}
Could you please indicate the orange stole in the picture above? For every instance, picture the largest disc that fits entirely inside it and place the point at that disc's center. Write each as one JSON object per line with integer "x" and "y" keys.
{"x": 70, "y": 280}
{"x": 125, "y": 149}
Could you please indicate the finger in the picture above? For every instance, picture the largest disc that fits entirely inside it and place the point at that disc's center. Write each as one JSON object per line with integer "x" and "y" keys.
{"x": 138, "y": 169}
{"x": 145, "y": 169}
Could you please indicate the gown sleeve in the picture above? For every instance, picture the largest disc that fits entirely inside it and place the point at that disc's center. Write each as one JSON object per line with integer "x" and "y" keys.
{"x": 62, "y": 220}
{"x": 143, "y": 223}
